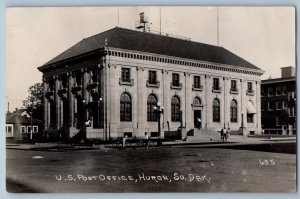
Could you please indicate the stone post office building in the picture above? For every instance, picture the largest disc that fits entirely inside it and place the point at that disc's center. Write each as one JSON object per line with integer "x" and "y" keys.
{"x": 111, "y": 82}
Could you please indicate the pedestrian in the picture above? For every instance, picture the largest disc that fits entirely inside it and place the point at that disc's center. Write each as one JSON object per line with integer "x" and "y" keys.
{"x": 146, "y": 140}
{"x": 228, "y": 133}
{"x": 124, "y": 141}
{"x": 225, "y": 135}
{"x": 222, "y": 134}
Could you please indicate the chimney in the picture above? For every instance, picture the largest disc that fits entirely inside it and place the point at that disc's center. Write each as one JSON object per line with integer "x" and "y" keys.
{"x": 288, "y": 71}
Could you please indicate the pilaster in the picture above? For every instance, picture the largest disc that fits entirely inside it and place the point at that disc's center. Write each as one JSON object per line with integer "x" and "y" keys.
{"x": 188, "y": 101}
{"x": 57, "y": 103}
{"x": 45, "y": 102}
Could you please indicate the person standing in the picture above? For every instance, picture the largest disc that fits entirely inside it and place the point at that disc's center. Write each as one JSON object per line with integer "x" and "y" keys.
{"x": 225, "y": 135}
{"x": 124, "y": 141}
{"x": 146, "y": 140}
{"x": 228, "y": 133}
{"x": 222, "y": 134}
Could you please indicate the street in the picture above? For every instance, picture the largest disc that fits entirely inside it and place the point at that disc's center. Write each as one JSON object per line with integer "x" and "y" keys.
{"x": 165, "y": 169}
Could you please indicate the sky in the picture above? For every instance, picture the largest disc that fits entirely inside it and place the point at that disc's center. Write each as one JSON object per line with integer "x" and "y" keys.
{"x": 264, "y": 36}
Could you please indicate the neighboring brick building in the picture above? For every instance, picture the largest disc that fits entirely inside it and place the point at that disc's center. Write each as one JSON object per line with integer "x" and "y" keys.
{"x": 115, "y": 79}
{"x": 278, "y": 103}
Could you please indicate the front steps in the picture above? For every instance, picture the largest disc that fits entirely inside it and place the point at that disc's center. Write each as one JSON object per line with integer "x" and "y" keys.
{"x": 203, "y": 135}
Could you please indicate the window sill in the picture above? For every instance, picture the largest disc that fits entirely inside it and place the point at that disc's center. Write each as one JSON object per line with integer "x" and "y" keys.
{"x": 250, "y": 93}
{"x": 216, "y": 91}
{"x": 179, "y": 87}
{"x": 153, "y": 85}
{"x": 234, "y": 91}
{"x": 197, "y": 89}
{"x": 126, "y": 83}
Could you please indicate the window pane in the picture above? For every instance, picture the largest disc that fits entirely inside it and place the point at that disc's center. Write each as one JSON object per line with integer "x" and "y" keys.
{"x": 175, "y": 80}
{"x": 233, "y": 84}
{"x": 152, "y": 77}
{"x": 197, "y": 81}
{"x": 216, "y": 83}
{"x": 175, "y": 109}
{"x": 151, "y": 103}
{"x": 125, "y": 107}
{"x": 125, "y": 74}
{"x": 216, "y": 111}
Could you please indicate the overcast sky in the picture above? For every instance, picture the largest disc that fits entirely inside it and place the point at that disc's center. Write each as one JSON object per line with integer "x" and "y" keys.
{"x": 264, "y": 36}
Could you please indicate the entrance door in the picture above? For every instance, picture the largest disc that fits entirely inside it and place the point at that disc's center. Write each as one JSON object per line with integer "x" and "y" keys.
{"x": 197, "y": 119}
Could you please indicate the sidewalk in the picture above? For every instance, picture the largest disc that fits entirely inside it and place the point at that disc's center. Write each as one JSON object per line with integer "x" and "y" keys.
{"x": 233, "y": 140}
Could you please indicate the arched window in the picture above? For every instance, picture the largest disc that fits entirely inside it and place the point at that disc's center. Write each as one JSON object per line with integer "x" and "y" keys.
{"x": 216, "y": 110}
{"x": 125, "y": 107}
{"x": 151, "y": 103}
{"x": 233, "y": 111}
{"x": 175, "y": 109}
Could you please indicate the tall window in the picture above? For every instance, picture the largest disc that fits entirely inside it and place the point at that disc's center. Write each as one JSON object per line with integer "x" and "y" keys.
{"x": 249, "y": 87}
{"x": 278, "y": 91}
{"x": 125, "y": 107}
{"x": 152, "y": 77}
{"x": 233, "y": 85}
{"x": 78, "y": 78}
{"x": 270, "y": 105}
{"x": 94, "y": 75}
{"x": 197, "y": 82}
{"x": 233, "y": 111}
{"x": 284, "y": 90}
{"x": 175, "y": 109}
{"x": 250, "y": 118}
{"x": 126, "y": 74}
{"x": 270, "y": 92}
{"x": 250, "y": 113}
{"x": 278, "y": 105}
{"x": 151, "y": 103}
{"x": 175, "y": 79}
{"x": 216, "y": 110}
{"x": 216, "y": 85}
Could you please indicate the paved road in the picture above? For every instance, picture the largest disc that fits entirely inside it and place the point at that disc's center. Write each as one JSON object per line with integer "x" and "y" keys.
{"x": 184, "y": 169}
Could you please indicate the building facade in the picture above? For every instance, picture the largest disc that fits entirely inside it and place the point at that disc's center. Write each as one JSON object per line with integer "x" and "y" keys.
{"x": 113, "y": 84}
{"x": 19, "y": 123}
{"x": 278, "y": 101}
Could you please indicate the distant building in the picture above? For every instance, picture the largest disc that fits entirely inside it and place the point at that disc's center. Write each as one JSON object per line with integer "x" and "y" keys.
{"x": 18, "y": 125}
{"x": 278, "y": 103}
{"x": 113, "y": 82}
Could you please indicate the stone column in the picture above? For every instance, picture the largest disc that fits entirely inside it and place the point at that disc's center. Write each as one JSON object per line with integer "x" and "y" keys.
{"x": 114, "y": 101}
{"x": 188, "y": 102}
{"x": 258, "y": 107}
{"x": 45, "y": 102}
{"x": 226, "y": 102}
{"x": 142, "y": 100}
{"x": 57, "y": 103}
{"x": 108, "y": 101}
{"x": 71, "y": 100}
{"x": 208, "y": 100}
{"x": 166, "y": 101}
{"x": 243, "y": 107}
{"x": 85, "y": 93}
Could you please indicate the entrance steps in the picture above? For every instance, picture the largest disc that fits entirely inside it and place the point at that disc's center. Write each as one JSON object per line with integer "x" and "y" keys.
{"x": 203, "y": 135}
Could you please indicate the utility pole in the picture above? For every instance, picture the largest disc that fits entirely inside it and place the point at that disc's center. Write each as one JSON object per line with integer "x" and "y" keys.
{"x": 31, "y": 120}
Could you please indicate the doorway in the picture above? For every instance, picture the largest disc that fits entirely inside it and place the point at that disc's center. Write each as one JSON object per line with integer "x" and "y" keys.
{"x": 197, "y": 119}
